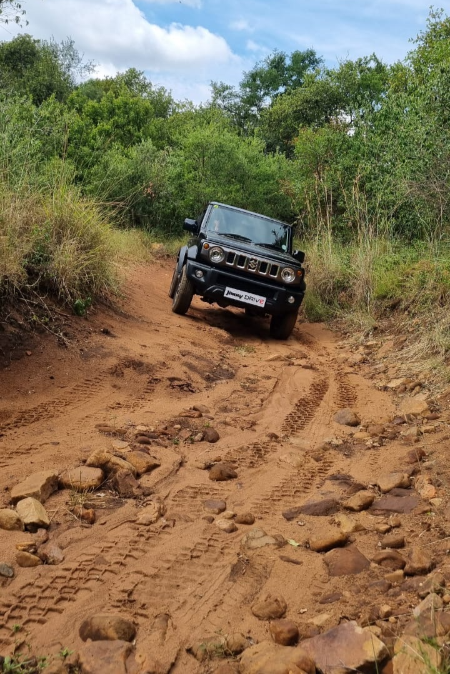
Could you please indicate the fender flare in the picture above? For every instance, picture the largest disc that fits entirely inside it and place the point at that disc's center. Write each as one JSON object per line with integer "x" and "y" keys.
{"x": 186, "y": 253}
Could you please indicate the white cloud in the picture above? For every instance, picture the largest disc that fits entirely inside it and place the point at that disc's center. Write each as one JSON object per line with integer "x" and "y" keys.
{"x": 116, "y": 35}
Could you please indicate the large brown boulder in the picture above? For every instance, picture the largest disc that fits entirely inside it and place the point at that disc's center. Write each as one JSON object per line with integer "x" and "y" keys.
{"x": 82, "y": 478}
{"x": 345, "y": 649}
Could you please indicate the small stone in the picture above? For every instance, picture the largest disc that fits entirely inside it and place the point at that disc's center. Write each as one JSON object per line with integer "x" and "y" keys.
{"x": 26, "y": 559}
{"x": 393, "y": 480}
{"x": 125, "y": 484}
{"x": 346, "y": 417}
{"x": 327, "y": 506}
{"x": 210, "y": 434}
{"x": 284, "y": 632}
{"x": 27, "y": 546}
{"x": 228, "y": 515}
{"x": 228, "y": 526}
{"x": 385, "y": 611}
{"x": 84, "y": 514}
{"x": 415, "y": 455}
{"x": 359, "y": 501}
{"x": 327, "y": 541}
{"x": 395, "y": 576}
{"x": 198, "y": 437}
{"x": 419, "y": 562}
{"x": 389, "y": 559}
{"x": 270, "y": 658}
{"x": 32, "y": 513}
{"x": 382, "y": 528}
{"x": 107, "y": 627}
{"x": 119, "y": 444}
{"x": 436, "y": 502}
{"x": 347, "y": 525}
{"x": 6, "y": 570}
{"x": 236, "y": 643}
{"x": 50, "y": 553}
{"x": 142, "y": 462}
{"x": 345, "y": 561}
{"x": 215, "y": 507}
{"x": 269, "y": 607}
{"x": 38, "y": 485}
{"x": 245, "y": 518}
{"x": 10, "y": 520}
{"x": 201, "y": 408}
{"x": 415, "y": 406}
{"x": 83, "y": 478}
{"x": 393, "y": 541}
{"x": 435, "y": 582}
{"x": 221, "y": 472}
{"x": 104, "y": 657}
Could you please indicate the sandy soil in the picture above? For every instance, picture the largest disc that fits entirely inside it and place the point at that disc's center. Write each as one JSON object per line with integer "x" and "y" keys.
{"x": 182, "y": 579}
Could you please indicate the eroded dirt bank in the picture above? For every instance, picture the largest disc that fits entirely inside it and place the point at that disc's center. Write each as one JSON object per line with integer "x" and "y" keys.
{"x": 182, "y": 579}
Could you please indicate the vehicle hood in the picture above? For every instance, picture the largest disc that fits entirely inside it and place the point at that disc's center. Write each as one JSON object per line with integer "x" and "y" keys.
{"x": 252, "y": 249}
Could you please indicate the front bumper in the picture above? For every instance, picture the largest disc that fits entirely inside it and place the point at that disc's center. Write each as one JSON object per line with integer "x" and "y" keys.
{"x": 215, "y": 280}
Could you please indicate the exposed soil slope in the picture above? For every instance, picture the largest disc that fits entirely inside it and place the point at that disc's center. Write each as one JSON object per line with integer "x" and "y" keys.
{"x": 183, "y": 579}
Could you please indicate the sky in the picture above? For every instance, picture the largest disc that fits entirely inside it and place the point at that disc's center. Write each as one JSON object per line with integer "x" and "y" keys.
{"x": 184, "y": 44}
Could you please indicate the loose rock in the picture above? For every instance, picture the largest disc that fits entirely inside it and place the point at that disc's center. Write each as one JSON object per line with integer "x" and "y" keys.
{"x": 26, "y": 559}
{"x": 346, "y": 648}
{"x": 38, "y": 485}
{"x": 10, "y": 520}
{"x": 6, "y": 571}
{"x": 142, "y": 462}
{"x": 419, "y": 562}
{"x": 33, "y": 514}
{"x": 221, "y": 472}
{"x": 83, "y": 478}
{"x": 327, "y": 506}
{"x": 428, "y": 606}
{"x": 228, "y": 526}
{"x": 388, "y": 482}
{"x": 389, "y": 559}
{"x": 347, "y": 417}
{"x": 395, "y": 504}
{"x": 126, "y": 484}
{"x": 269, "y": 658}
{"x": 215, "y": 507}
{"x": 257, "y": 538}
{"x": 50, "y": 553}
{"x": 245, "y": 518}
{"x": 210, "y": 434}
{"x": 269, "y": 607}
{"x": 394, "y": 541}
{"x": 347, "y": 525}
{"x": 345, "y": 561}
{"x": 414, "y": 656}
{"x": 327, "y": 541}
{"x": 107, "y": 627}
{"x": 150, "y": 514}
{"x": 105, "y": 657}
{"x": 359, "y": 501}
{"x": 284, "y": 632}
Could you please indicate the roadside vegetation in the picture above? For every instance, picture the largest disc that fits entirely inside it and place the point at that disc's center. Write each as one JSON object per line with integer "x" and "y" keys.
{"x": 94, "y": 171}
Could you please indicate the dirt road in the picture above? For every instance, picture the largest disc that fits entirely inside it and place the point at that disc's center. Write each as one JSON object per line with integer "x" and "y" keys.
{"x": 182, "y": 579}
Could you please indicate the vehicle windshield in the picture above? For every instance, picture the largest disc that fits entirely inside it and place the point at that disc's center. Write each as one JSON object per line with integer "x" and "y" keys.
{"x": 249, "y": 228}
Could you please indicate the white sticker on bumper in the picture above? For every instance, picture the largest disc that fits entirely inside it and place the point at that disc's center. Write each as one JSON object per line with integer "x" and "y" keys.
{"x": 247, "y": 298}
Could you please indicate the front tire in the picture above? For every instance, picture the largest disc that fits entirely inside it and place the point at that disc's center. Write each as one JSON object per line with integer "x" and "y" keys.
{"x": 183, "y": 294}
{"x": 281, "y": 326}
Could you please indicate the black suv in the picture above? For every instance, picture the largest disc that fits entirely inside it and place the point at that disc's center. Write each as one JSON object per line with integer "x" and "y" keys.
{"x": 244, "y": 259}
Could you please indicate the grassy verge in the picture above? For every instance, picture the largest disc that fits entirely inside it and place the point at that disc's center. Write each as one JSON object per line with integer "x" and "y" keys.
{"x": 366, "y": 283}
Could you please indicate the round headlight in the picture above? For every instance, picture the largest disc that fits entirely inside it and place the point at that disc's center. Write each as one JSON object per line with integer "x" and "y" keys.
{"x": 216, "y": 254}
{"x": 288, "y": 275}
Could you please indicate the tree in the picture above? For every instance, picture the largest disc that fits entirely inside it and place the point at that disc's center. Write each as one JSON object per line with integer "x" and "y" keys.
{"x": 11, "y": 11}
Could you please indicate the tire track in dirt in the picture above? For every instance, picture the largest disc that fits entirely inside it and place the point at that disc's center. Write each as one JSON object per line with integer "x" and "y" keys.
{"x": 306, "y": 408}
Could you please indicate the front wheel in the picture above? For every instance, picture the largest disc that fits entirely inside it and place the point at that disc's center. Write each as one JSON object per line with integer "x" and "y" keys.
{"x": 183, "y": 294}
{"x": 282, "y": 326}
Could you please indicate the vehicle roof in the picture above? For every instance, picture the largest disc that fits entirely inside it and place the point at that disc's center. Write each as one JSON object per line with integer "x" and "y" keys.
{"x": 243, "y": 210}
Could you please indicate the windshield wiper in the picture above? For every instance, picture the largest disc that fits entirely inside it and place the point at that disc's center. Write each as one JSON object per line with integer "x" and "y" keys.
{"x": 273, "y": 246}
{"x": 235, "y": 236}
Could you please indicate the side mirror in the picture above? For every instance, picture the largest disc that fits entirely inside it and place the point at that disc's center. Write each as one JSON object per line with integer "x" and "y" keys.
{"x": 191, "y": 225}
{"x": 299, "y": 256}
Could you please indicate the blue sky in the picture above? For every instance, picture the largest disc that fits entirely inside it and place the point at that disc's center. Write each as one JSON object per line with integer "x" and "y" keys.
{"x": 184, "y": 44}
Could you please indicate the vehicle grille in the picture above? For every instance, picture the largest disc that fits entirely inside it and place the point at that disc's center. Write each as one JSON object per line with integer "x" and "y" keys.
{"x": 252, "y": 264}
{"x": 245, "y": 286}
